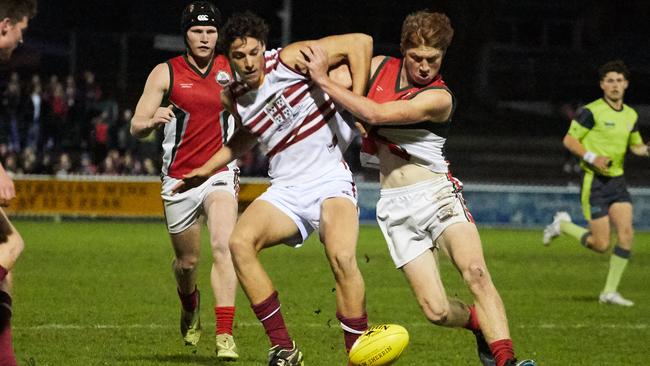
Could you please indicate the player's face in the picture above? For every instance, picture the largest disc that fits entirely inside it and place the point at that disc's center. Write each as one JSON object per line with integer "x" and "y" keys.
{"x": 202, "y": 40}
{"x": 614, "y": 85}
{"x": 11, "y": 35}
{"x": 422, "y": 64}
{"x": 247, "y": 56}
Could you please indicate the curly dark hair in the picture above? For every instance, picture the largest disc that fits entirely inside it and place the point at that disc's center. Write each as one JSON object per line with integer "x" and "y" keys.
{"x": 17, "y": 9}
{"x": 614, "y": 66}
{"x": 239, "y": 26}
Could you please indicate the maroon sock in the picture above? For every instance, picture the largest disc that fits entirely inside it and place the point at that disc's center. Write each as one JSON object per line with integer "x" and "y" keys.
{"x": 352, "y": 328}
{"x": 268, "y": 312}
{"x": 7, "y": 357}
{"x": 189, "y": 301}
{"x": 502, "y": 351}
{"x": 3, "y": 273}
{"x": 472, "y": 322}
{"x": 224, "y": 316}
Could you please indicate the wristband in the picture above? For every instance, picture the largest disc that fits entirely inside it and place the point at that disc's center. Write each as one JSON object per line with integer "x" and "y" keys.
{"x": 589, "y": 157}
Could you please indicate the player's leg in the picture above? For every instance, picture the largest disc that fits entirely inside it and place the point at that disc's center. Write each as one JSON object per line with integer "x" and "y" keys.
{"x": 621, "y": 214}
{"x": 220, "y": 207}
{"x": 599, "y": 234}
{"x": 187, "y": 248}
{"x": 463, "y": 244}
{"x": 423, "y": 275}
{"x": 260, "y": 226}
{"x": 339, "y": 231}
{"x": 11, "y": 246}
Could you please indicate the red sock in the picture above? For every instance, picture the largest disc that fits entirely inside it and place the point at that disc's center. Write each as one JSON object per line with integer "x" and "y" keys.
{"x": 189, "y": 301}
{"x": 224, "y": 316}
{"x": 3, "y": 273}
{"x": 268, "y": 312}
{"x": 502, "y": 351}
{"x": 472, "y": 322}
{"x": 352, "y": 328}
{"x": 7, "y": 357}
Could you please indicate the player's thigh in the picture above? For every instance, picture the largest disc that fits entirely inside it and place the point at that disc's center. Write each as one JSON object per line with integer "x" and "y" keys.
{"x": 187, "y": 243}
{"x": 621, "y": 215}
{"x": 263, "y": 225}
{"x": 423, "y": 275}
{"x": 339, "y": 224}
{"x": 463, "y": 244}
{"x": 220, "y": 208}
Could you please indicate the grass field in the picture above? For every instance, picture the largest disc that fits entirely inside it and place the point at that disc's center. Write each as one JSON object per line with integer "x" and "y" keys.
{"x": 102, "y": 293}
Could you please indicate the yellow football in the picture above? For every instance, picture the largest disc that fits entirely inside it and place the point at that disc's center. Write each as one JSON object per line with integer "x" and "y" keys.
{"x": 379, "y": 345}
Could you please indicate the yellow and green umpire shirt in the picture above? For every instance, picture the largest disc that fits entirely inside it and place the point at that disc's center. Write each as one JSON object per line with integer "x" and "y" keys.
{"x": 606, "y": 131}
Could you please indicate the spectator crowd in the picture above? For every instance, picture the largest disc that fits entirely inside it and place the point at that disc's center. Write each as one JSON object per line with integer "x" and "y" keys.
{"x": 60, "y": 127}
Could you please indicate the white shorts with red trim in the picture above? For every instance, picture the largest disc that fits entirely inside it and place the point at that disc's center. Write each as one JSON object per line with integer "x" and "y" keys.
{"x": 302, "y": 202}
{"x": 413, "y": 217}
{"x": 183, "y": 209}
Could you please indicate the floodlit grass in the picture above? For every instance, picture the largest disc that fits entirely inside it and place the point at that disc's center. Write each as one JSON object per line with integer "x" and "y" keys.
{"x": 102, "y": 293}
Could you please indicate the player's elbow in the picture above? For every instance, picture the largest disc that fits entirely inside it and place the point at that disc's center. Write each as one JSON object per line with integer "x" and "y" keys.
{"x": 363, "y": 41}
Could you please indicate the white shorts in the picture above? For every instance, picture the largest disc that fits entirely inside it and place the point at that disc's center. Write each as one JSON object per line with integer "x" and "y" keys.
{"x": 183, "y": 209}
{"x": 412, "y": 217}
{"x": 302, "y": 202}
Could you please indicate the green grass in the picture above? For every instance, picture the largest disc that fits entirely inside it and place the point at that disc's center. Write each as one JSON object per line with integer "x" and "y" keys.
{"x": 102, "y": 293}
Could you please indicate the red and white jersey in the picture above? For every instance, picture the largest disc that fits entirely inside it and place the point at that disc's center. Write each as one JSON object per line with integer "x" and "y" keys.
{"x": 297, "y": 125}
{"x": 201, "y": 125}
{"x": 421, "y": 143}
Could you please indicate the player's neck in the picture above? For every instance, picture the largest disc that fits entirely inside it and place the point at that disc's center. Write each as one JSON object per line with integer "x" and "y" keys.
{"x": 615, "y": 104}
{"x": 201, "y": 63}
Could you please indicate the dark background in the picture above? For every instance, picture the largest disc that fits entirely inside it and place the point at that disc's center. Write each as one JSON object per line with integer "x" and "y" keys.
{"x": 518, "y": 68}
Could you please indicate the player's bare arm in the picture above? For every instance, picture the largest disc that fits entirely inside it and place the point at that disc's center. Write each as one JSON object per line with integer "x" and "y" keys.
{"x": 576, "y": 148}
{"x": 354, "y": 49}
{"x": 431, "y": 105}
{"x": 640, "y": 149}
{"x": 149, "y": 115}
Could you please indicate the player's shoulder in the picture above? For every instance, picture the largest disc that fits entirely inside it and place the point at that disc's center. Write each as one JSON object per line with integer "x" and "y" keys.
{"x": 631, "y": 111}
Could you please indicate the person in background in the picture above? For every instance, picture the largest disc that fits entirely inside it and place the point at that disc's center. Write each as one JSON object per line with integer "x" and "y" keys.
{"x": 14, "y": 19}
{"x": 600, "y": 136}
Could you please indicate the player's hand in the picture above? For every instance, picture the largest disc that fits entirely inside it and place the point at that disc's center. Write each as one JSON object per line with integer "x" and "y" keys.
{"x": 362, "y": 128}
{"x": 235, "y": 90}
{"x": 192, "y": 179}
{"x": 602, "y": 163}
{"x": 162, "y": 116}
{"x": 7, "y": 189}
{"x": 315, "y": 59}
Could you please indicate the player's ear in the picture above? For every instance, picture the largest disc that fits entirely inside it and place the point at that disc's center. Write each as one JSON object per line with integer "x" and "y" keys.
{"x": 4, "y": 25}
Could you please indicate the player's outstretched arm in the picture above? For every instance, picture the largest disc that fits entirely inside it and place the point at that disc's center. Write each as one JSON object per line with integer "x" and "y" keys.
{"x": 431, "y": 105}
{"x": 240, "y": 142}
{"x": 148, "y": 114}
{"x": 353, "y": 49}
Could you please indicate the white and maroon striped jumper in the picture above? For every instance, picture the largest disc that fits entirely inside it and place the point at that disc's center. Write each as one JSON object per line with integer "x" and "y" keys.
{"x": 297, "y": 125}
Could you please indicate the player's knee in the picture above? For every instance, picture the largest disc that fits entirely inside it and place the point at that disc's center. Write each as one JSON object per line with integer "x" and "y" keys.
{"x": 241, "y": 246}
{"x": 436, "y": 313}
{"x": 477, "y": 277}
{"x": 599, "y": 244}
{"x": 17, "y": 244}
{"x": 343, "y": 264}
{"x": 186, "y": 263}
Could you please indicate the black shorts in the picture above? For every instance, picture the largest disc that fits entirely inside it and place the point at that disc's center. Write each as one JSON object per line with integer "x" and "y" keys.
{"x": 598, "y": 192}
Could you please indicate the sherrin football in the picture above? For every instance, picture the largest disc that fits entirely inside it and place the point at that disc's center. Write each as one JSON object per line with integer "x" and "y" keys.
{"x": 379, "y": 345}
